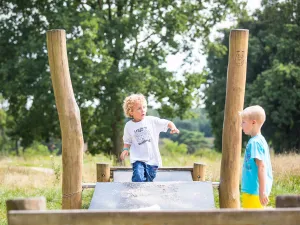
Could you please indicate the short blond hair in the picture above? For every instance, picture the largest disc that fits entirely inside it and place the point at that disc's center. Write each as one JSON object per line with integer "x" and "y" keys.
{"x": 130, "y": 101}
{"x": 254, "y": 112}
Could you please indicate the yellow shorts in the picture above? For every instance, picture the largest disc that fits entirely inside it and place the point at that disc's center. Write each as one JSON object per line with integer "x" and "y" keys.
{"x": 251, "y": 201}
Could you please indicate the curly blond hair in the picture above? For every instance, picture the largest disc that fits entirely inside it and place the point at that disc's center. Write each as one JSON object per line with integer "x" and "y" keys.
{"x": 130, "y": 101}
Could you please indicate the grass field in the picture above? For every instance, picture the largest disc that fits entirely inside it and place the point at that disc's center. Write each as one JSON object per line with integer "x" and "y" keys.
{"x": 41, "y": 176}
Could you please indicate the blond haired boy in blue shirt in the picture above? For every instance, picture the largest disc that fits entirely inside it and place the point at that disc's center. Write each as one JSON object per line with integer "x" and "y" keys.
{"x": 257, "y": 175}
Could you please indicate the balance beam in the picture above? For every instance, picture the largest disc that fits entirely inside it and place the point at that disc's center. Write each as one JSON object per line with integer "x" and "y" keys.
{"x": 210, "y": 217}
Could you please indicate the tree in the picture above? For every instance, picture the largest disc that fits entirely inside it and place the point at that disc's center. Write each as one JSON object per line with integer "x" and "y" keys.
{"x": 272, "y": 73}
{"x": 115, "y": 47}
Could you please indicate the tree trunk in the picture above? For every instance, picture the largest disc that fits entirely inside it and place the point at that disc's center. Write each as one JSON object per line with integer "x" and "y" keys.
{"x": 117, "y": 131}
{"x": 17, "y": 148}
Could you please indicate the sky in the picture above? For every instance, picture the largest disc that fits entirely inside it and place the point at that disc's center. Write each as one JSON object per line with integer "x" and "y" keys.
{"x": 174, "y": 62}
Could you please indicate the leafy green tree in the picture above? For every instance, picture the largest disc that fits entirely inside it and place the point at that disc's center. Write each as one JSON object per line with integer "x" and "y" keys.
{"x": 272, "y": 73}
{"x": 194, "y": 140}
{"x": 115, "y": 47}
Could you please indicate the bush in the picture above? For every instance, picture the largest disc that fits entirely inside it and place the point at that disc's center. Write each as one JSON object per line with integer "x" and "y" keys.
{"x": 170, "y": 147}
{"x": 36, "y": 149}
{"x": 209, "y": 154}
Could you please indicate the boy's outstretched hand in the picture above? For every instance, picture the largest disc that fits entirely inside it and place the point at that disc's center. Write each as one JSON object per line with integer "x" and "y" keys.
{"x": 123, "y": 154}
{"x": 174, "y": 131}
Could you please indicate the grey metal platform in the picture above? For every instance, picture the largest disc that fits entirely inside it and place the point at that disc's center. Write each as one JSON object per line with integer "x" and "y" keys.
{"x": 162, "y": 175}
{"x": 160, "y": 195}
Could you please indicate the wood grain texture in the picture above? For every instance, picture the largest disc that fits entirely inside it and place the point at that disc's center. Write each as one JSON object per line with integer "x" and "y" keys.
{"x": 211, "y": 217}
{"x": 69, "y": 118}
{"x": 232, "y": 133}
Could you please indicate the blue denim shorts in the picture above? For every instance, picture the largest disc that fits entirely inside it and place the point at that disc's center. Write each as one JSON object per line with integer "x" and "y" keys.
{"x": 143, "y": 172}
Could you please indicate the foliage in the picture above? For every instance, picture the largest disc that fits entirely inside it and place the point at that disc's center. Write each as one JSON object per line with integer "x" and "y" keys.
{"x": 194, "y": 140}
{"x": 272, "y": 73}
{"x": 208, "y": 154}
{"x": 114, "y": 47}
{"x": 36, "y": 149}
{"x": 5, "y": 142}
{"x": 172, "y": 148}
{"x": 198, "y": 122}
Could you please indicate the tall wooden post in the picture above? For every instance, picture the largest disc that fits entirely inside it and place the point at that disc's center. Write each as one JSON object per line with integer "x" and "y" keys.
{"x": 69, "y": 117}
{"x": 199, "y": 172}
{"x": 103, "y": 172}
{"x": 232, "y": 133}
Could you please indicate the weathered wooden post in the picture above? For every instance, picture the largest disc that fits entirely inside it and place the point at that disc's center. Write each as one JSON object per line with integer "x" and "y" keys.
{"x": 103, "y": 172}
{"x": 288, "y": 201}
{"x": 199, "y": 172}
{"x": 69, "y": 117}
{"x": 37, "y": 203}
{"x": 232, "y": 133}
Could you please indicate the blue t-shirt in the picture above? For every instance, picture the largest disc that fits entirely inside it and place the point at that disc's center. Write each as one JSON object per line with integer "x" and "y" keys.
{"x": 257, "y": 148}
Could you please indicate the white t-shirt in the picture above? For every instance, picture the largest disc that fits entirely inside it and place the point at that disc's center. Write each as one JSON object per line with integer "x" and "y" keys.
{"x": 143, "y": 138}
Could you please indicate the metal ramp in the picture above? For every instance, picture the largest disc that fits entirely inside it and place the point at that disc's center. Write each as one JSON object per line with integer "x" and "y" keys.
{"x": 162, "y": 175}
{"x": 180, "y": 195}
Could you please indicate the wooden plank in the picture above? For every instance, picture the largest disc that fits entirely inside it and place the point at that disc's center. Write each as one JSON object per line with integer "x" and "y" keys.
{"x": 161, "y": 168}
{"x": 36, "y": 203}
{"x": 88, "y": 185}
{"x": 211, "y": 217}
{"x": 117, "y": 168}
{"x": 287, "y": 201}
{"x": 93, "y": 185}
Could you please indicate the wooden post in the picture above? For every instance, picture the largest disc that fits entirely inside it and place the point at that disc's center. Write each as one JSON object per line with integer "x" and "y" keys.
{"x": 103, "y": 172}
{"x": 38, "y": 203}
{"x": 232, "y": 133}
{"x": 288, "y": 201}
{"x": 69, "y": 117}
{"x": 199, "y": 172}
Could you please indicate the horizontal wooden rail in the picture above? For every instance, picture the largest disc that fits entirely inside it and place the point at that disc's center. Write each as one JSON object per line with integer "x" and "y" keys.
{"x": 161, "y": 168}
{"x": 289, "y": 216}
{"x": 93, "y": 185}
{"x": 288, "y": 201}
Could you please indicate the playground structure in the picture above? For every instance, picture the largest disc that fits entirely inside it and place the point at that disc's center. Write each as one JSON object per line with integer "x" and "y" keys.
{"x": 32, "y": 211}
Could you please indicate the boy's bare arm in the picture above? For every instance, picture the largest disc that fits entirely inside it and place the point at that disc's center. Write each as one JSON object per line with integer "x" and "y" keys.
{"x": 125, "y": 151}
{"x": 173, "y": 128}
{"x": 263, "y": 197}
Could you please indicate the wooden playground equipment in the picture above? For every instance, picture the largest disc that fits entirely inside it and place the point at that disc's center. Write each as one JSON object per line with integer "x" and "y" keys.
{"x": 32, "y": 211}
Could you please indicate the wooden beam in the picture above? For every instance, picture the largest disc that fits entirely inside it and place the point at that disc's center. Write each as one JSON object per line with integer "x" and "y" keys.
{"x": 161, "y": 168}
{"x": 232, "y": 133}
{"x": 287, "y": 201}
{"x": 93, "y": 185}
{"x": 69, "y": 117}
{"x": 37, "y": 203}
{"x": 211, "y": 217}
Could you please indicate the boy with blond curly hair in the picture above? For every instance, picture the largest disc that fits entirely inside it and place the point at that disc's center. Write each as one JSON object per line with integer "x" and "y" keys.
{"x": 257, "y": 175}
{"x": 141, "y": 135}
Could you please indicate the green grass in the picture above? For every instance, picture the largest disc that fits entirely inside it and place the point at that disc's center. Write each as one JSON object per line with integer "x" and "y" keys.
{"x": 18, "y": 180}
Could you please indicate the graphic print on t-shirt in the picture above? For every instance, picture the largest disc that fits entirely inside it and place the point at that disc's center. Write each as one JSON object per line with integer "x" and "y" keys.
{"x": 142, "y": 135}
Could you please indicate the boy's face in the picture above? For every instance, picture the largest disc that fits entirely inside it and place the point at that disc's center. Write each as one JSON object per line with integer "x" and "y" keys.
{"x": 139, "y": 111}
{"x": 247, "y": 126}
